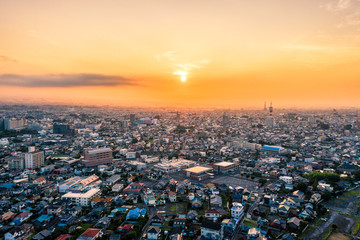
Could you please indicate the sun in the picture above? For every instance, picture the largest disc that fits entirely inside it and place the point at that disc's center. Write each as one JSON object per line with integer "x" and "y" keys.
{"x": 182, "y": 75}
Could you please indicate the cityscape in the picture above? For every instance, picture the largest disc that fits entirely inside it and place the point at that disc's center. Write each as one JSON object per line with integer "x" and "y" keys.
{"x": 180, "y": 120}
{"x": 81, "y": 172}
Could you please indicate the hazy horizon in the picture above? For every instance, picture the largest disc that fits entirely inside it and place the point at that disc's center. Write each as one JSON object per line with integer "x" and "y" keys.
{"x": 213, "y": 54}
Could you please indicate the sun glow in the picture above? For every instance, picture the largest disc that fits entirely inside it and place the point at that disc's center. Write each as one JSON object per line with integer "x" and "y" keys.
{"x": 182, "y": 75}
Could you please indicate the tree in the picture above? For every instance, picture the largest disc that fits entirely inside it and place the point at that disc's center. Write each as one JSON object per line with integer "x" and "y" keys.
{"x": 262, "y": 181}
{"x": 302, "y": 186}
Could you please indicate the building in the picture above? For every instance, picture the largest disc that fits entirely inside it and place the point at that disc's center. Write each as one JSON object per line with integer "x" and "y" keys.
{"x": 90, "y": 234}
{"x": 237, "y": 211}
{"x": 64, "y": 129}
{"x": 211, "y": 230}
{"x": 198, "y": 173}
{"x": 173, "y": 165}
{"x": 34, "y": 159}
{"x": 16, "y": 163}
{"x": 14, "y": 124}
{"x": 95, "y": 157}
{"x": 224, "y": 167}
{"x": 82, "y": 199}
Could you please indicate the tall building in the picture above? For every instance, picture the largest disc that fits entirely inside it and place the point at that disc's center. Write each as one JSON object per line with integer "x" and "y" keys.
{"x": 64, "y": 129}
{"x": 265, "y": 106}
{"x": 16, "y": 163}
{"x": 132, "y": 118}
{"x": 225, "y": 120}
{"x": 124, "y": 123}
{"x": 94, "y": 157}
{"x": 34, "y": 159}
{"x": 270, "y": 121}
{"x": 177, "y": 119}
{"x": 1, "y": 124}
{"x": 14, "y": 124}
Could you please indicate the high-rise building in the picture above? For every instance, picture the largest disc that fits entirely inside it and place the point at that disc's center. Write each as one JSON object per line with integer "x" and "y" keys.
{"x": 14, "y": 124}
{"x": 265, "y": 106}
{"x": 34, "y": 159}
{"x": 132, "y": 118}
{"x": 95, "y": 157}
{"x": 16, "y": 163}
{"x": 124, "y": 123}
{"x": 1, "y": 124}
{"x": 270, "y": 121}
{"x": 64, "y": 129}
{"x": 225, "y": 120}
{"x": 177, "y": 119}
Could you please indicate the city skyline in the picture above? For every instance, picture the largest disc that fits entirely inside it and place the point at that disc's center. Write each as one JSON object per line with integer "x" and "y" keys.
{"x": 222, "y": 54}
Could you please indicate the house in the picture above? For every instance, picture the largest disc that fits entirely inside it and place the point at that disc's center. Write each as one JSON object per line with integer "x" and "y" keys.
{"x": 135, "y": 188}
{"x": 42, "y": 235}
{"x": 215, "y": 201}
{"x": 192, "y": 215}
{"x": 66, "y": 220}
{"x": 123, "y": 230}
{"x": 286, "y": 179}
{"x": 316, "y": 197}
{"x": 211, "y": 230}
{"x": 229, "y": 224}
{"x": 135, "y": 213}
{"x": 63, "y": 237}
{"x": 283, "y": 210}
{"x": 246, "y": 195}
{"x": 172, "y": 196}
{"x": 323, "y": 186}
{"x": 117, "y": 187}
{"x": 22, "y": 217}
{"x": 98, "y": 200}
{"x": 299, "y": 195}
{"x": 254, "y": 233}
{"x": 212, "y": 214}
{"x": 157, "y": 220}
{"x": 150, "y": 200}
{"x": 153, "y": 232}
{"x": 90, "y": 234}
{"x": 179, "y": 222}
{"x": 19, "y": 232}
{"x": 237, "y": 211}
{"x": 294, "y": 223}
{"x": 40, "y": 181}
{"x": 14, "y": 233}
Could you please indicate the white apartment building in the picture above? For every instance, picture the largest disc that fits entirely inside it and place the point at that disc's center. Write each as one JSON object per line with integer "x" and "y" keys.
{"x": 82, "y": 199}
{"x": 237, "y": 211}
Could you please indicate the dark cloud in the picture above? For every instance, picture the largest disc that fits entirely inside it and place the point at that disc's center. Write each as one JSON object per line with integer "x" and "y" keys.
{"x": 7, "y": 59}
{"x": 63, "y": 80}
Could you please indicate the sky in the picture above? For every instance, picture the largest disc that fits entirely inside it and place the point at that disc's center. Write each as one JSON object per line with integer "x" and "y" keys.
{"x": 203, "y": 53}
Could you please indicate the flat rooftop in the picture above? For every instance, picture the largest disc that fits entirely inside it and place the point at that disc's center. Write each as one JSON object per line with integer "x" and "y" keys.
{"x": 88, "y": 194}
{"x": 198, "y": 169}
{"x": 224, "y": 164}
{"x": 99, "y": 150}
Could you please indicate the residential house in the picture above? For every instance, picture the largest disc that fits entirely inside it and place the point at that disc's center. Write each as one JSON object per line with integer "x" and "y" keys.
{"x": 212, "y": 214}
{"x": 153, "y": 233}
{"x": 211, "y": 230}
{"x": 90, "y": 234}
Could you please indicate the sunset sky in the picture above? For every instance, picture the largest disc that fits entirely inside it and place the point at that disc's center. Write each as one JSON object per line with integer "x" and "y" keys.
{"x": 224, "y": 53}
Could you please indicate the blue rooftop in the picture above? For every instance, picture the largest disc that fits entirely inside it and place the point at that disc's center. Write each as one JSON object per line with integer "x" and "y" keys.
{"x": 43, "y": 218}
{"x": 271, "y": 148}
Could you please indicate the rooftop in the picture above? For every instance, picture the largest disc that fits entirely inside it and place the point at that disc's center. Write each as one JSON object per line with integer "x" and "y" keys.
{"x": 224, "y": 164}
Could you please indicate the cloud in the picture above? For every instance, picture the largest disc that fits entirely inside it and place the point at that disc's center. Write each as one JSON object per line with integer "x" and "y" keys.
{"x": 339, "y": 5}
{"x": 64, "y": 80}
{"x": 348, "y": 10}
{"x": 173, "y": 60}
{"x": 7, "y": 59}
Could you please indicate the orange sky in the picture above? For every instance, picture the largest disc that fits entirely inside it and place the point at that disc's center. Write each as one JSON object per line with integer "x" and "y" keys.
{"x": 233, "y": 53}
